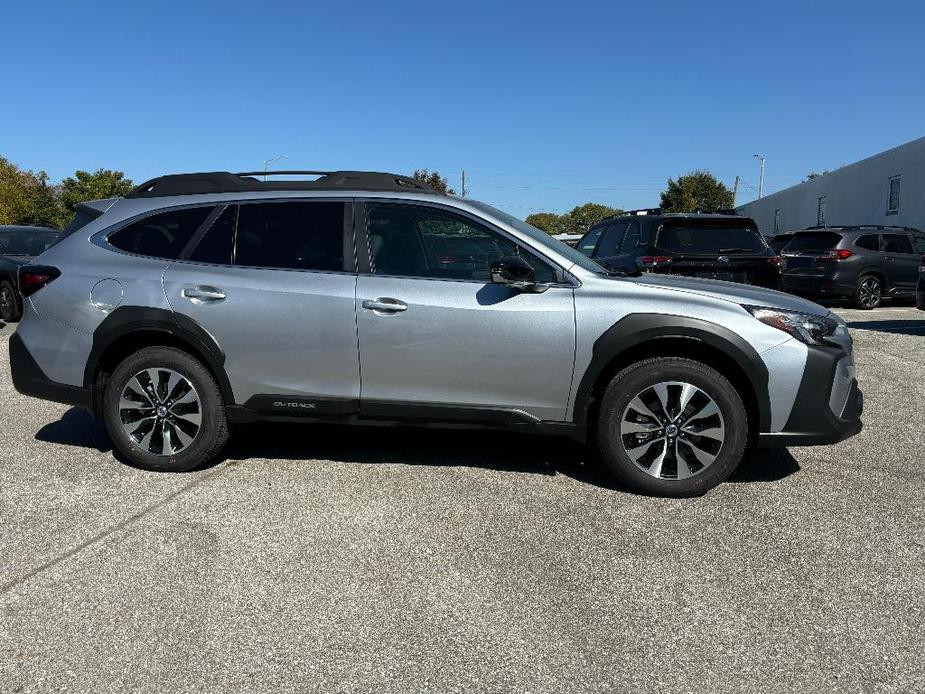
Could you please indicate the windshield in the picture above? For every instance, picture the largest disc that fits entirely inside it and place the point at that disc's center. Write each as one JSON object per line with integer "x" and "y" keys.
{"x": 710, "y": 238}
{"x": 542, "y": 239}
{"x": 814, "y": 242}
{"x": 26, "y": 241}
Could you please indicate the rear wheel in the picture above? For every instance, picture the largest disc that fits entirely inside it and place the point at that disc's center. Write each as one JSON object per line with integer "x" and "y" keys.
{"x": 671, "y": 426}
{"x": 9, "y": 303}
{"x": 869, "y": 293}
{"x": 164, "y": 410}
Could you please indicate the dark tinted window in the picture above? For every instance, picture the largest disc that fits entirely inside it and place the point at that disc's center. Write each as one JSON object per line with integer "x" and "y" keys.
{"x": 813, "y": 242}
{"x": 778, "y": 242}
{"x": 630, "y": 238}
{"x": 291, "y": 235}
{"x": 217, "y": 244}
{"x": 709, "y": 238}
{"x": 26, "y": 242}
{"x": 589, "y": 241}
{"x": 919, "y": 242}
{"x": 162, "y": 235}
{"x": 610, "y": 241}
{"x": 423, "y": 242}
{"x": 896, "y": 243}
{"x": 869, "y": 241}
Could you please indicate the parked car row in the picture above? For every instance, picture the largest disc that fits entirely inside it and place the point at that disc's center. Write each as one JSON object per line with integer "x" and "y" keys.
{"x": 18, "y": 245}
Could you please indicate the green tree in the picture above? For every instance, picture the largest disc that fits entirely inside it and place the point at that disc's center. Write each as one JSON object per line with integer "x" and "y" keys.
{"x": 83, "y": 186}
{"x": 580, "y": 219}
{"x": 434, "y": 180}
{"x": 815, "y": 174}
{"x": 545, "y": 221}
{"x": 26, "y": 197}
{"x": 697, "y": 191}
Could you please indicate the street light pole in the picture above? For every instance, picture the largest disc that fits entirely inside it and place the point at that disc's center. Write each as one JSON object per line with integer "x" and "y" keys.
{"x": 760, "y": 159}
{"x": 267, "y": 162}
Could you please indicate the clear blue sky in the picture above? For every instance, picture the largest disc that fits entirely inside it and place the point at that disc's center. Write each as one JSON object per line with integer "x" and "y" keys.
{"x": 546, "y": 105}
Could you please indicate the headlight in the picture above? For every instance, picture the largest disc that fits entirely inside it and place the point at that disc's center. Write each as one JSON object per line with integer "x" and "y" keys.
{"x": 806, "y": 327}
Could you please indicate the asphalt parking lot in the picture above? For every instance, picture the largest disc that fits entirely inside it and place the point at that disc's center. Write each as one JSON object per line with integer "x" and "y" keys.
{"x": 329, "y": 559}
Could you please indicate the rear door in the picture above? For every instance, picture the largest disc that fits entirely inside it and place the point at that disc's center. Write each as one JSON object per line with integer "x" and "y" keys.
{"x": 900, "y": 262}
{"x": 438, "y": 339}
{"x": 274, "y": 284}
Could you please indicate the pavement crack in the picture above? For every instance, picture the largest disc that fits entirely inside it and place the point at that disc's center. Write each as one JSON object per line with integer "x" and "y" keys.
{"x": 125, "y": 522}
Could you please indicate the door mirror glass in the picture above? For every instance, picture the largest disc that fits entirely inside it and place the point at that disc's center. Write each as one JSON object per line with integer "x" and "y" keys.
{"x": 515, "y": 272}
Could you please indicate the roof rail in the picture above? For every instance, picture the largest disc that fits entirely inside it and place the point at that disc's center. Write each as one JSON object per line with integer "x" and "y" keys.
{"x": 225, "y": 182}
{"x": 852, "y": 227}
{"x": 641, "y": 212}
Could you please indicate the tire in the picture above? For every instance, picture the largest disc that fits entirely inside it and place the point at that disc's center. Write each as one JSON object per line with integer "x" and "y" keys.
{"x": 9, "y": 303}
{"x": 190, "y": 440}
{"x": 869, "y": 293}
{"x": 711, "y": 435}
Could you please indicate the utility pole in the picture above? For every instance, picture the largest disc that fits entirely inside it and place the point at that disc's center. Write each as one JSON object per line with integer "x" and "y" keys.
{"x": 760, "y": 159}
{"x": 464, "y": 191}
{"x": 735, "y": 192}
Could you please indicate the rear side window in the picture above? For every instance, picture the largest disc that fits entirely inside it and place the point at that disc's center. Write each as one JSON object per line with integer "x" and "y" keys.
{"x": 813, "y": 242}
{"x": 896, "y": 243}
{"x": 162, "y": 235}
{"x": 291, "y": 235}
{"x": 919, "y": 242}
{"x": 868, "y": 241}
{"x": 630, "y": 239}
{"x": 710, "y": 238}
{"x": 218, "y": 243}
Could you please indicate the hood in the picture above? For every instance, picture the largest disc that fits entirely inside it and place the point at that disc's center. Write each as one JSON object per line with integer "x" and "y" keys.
{"x": 733, "y": 292}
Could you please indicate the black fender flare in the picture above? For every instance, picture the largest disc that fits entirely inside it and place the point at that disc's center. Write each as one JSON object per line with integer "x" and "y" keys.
{"x": 126, "y": 320}
{"x": 640, "y": 328}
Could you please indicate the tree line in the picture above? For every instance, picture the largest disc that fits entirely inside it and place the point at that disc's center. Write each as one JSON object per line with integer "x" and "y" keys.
{"x": 28, "y": 197}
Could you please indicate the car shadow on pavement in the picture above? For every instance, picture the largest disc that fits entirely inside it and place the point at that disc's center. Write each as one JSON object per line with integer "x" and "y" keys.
{"x": 898, "y": 327}
{"x": 77, "y": 427}
{"x": 489, "y": 450}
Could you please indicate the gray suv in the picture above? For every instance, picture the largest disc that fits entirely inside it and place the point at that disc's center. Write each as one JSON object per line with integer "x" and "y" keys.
{"x": 202, "y": 300}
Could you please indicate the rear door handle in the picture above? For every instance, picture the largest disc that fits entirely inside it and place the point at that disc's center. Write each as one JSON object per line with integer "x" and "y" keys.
{"x": 385, "y": 304}
{"x": 203, "y": 295}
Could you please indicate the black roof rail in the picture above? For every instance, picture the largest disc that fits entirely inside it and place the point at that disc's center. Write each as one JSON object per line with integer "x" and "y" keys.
{"x": 640, "y": 212}
{"x": 860, "y": 227}
{"x": 225, "y": 182}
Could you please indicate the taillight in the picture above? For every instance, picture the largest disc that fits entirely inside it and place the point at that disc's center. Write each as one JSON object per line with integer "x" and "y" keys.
{"x": 922, "y": 264}
{"x": 34, "y": 277}
{"x": 774, "y": 260}
{"x": 649, "y": 261}
{"x": 838, "y": 254}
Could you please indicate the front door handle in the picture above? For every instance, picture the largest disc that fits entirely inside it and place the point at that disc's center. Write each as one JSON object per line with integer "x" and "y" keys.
{"x": 385, "y": 305}
{"x": 202, "y": 295}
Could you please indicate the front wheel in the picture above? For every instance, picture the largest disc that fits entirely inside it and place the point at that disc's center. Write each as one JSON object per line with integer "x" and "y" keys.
{"x": 9, "y": 303}
{"x": 671, "y": 426}
{"x": 164, "y": 411}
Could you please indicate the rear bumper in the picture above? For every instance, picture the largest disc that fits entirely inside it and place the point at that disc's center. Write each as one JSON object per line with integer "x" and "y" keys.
{"x": 29, "y": 379}
{"x": 828, "y": 405}
{"x": 816, "y": 286}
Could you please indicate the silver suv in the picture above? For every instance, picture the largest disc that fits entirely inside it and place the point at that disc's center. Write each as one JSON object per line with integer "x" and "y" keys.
{"x": 203, "y": 300}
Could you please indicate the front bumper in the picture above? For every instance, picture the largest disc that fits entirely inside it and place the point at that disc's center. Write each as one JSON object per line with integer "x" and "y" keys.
{"x": 828, "y": 406}
{"x": 29, "y": 379}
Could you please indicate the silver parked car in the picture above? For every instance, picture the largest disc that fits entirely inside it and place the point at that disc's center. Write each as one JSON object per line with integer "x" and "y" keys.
{"x": 202, "y": 300}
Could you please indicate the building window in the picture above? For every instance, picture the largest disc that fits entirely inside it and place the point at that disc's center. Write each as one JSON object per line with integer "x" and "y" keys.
{"x": 820, "y": 212}
{"x": 777, "y": 221}
{"x": 892, "y": 205}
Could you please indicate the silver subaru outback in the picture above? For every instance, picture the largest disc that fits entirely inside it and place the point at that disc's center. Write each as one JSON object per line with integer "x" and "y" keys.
{"x": 202, "y": 300}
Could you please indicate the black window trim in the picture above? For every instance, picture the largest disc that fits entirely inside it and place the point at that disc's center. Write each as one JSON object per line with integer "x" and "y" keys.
{"x": 101, "y": 238}
{"x": 364, "y": 266}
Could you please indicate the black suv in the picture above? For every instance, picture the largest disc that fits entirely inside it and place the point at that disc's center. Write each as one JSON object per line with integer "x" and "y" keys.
{"x": 718, "y": 246}
{"x": 18, "y": 245}
{"x": 863, "y": 263}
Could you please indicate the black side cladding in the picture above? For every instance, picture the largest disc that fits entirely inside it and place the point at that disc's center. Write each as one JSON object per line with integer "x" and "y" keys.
{"x": 640, "y": 328}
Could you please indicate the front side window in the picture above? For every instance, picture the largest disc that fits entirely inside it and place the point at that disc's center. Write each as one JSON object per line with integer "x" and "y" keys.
{"x": 411, "y": 241}
{"x": 892, "y": 206}
{"x": 820, "y": 212}
{"x": 162, "y": 235}
{"x": 611, "y": 240}
{"x": 589, "y": 242}
{"x": 896, "y": 243}
{"x": 291, "y": 235}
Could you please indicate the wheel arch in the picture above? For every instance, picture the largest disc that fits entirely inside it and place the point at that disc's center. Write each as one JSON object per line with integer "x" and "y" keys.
{"x": 641, "y": 336}
{"x": 130, "y": 328}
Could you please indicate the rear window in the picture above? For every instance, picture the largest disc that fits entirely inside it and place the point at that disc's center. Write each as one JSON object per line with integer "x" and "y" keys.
{"x": 710, "y": 238}
{"x": 161, "y": 235}
{"x": 779, "y": 241}
{"x": 813, "y": 241}
{"x": 26, "y": 242}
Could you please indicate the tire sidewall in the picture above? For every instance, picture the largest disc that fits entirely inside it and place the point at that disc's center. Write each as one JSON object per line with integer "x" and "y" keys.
{"x": 14, "y": 302}
{"x": 635, "y": 379}
{"x": 857, "y": 294}
{"x": 213, "y": 429}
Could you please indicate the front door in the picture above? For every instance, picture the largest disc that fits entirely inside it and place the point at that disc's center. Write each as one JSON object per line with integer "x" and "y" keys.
{"x": 900, "y": 263}
{"x": 438, "y": 339}
{"x": 269, "y": 281}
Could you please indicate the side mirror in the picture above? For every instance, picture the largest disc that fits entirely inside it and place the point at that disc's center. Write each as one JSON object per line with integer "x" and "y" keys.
{"x": 515, "y": 272}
